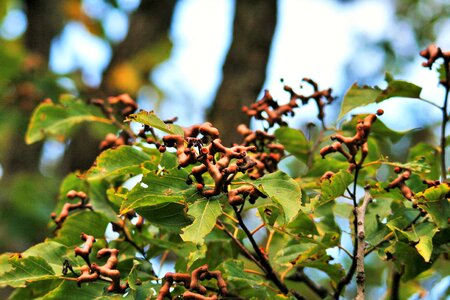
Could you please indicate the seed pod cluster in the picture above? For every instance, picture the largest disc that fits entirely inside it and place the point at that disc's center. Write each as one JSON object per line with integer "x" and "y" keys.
{"x": 355, "y": 144}
{"x": 92, "y": 272}
{"x": 194, "y": 289}
{"x": 201, "y": 144}
{"x": 269, "y": 110}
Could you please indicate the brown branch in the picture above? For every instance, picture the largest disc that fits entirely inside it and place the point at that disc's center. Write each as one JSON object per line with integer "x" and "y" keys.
{"x": 300, "y": 276}
{"x": 360, "y": 217}
{"x": 395, "y": 285}
{"x": 444, "y": 120}
{"x": 241, "y": 247}
{"x": 348, "y": 277}
{"x": 264, "y": 261}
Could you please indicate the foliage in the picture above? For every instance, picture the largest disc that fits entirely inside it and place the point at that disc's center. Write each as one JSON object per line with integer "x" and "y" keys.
{"x": 231, "y": 222}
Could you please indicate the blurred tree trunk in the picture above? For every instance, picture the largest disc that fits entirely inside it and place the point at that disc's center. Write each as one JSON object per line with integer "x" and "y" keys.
{"x": 44, "y": 22}
{"x": 244, "y": 70}
{"x": 148, "y": 24}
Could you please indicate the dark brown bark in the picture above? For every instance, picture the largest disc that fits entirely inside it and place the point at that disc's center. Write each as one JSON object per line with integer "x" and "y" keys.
{"x": 149, "y": 24}
{"x": 44, "y": 22}
{"x": 244, "y": 70}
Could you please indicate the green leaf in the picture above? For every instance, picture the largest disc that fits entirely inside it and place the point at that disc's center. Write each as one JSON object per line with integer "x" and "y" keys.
{"x": 408, "y": 258}
{"x": 377, "y": 211}
{"x": 4, "y": 264}
{"x": 234, "y": 271}
{"x": 92, "y": 223}
{"x": 58, "y": 120}
{"x": 124, "y": 160}
{"x": 302, "y": 224}
{"x": 171, "y": 216}
{"x": 150, "y": 119}
{"x": 26, "y": 270}
{"x": 422, "y": 235}
{"x": 295, "y": 253}
{"x": 327, "y": 216}
{"x": 133, "y": 277}
{"x": 205, "y": 213}
{"x": 68, "y": 290}
{"x": 435, "y": 202}
{"x": 284, "y": 191}
{"x": 335, "y": 186}
{"x": 334, "y": 271}
{"x": 441, "y": 72}
{"x": 294, "y": 141}
{"x": 399, "y": 88}
{"x": 358, "y": 96}
{"x": 427, "y": 154}
{"x": 157, "y": 189}
{"x": 52, "y": 252}
{"x": 99, "y": 199}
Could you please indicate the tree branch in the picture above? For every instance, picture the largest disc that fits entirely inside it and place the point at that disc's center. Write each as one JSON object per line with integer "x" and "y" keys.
{"x": 347, "y": 278}
{"x": 395, "y": 285}
{"x": 300, "y": 276}
{"x": 360, "y": 217}
{"x": 270, "y": 273}
{"x": 241, "y": 247}
{"x": 444, "y": 120}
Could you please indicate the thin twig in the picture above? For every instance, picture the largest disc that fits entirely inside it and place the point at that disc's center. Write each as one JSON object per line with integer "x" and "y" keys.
{"x": 348, "y": 277}
{"x": 263, "y": 260}
{"x": 230, "y": 217}
{"x": 429, "y": 102}
{"x": 300, "y": 276}
{"x": 360, "y": 217}
{"x": 258, "y": 228}
{"x": 254, "y": 272}
{"x": 241, "y": 247}
{"x": 269, "y": 241}
{"x": 345, "y": 250}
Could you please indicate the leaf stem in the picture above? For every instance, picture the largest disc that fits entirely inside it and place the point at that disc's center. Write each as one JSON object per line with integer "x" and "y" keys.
{"x": 345, "y": 251}
{"x": 254, "y": 272}
{"x": 429, "y": 102}
{"x": 230, "y": 217}
{"x": 269, "y": 241}
{"x": 262, "y": 225}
